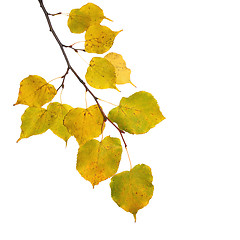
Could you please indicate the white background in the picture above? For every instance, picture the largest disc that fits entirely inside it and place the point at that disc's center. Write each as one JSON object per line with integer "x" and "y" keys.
{"x": 187, "y": 54}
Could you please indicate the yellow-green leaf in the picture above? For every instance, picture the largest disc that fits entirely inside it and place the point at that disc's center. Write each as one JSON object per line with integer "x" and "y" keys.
{"x": 80, "y": 19}
{"x": 58, "y": 111}
{"x": 35, "y": 120}
{"x": 101, "y": 74}
{"x": 35, "y": 91}
{"x": 84, "y": 124}
{"x": 122, "y": 72}
{"x": 98, "y": 161}
{"x": 99, "y": 39}
{"x": 133, "y": 189}
{"x": 137, "y": 114}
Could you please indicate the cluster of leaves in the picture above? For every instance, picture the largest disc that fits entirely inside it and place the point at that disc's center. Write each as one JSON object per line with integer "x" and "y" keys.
{"x": 137, "y": 114}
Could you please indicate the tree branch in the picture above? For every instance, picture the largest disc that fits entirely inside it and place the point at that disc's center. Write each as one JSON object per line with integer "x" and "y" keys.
{"x": 69, "y": 67}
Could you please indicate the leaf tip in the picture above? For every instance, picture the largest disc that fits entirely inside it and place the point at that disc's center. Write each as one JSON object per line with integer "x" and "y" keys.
{"x": 117, "y": 32}
{"x": 108, "y": 19}
{"x": 17, "y": 102}
{"x": 135, "y": 217}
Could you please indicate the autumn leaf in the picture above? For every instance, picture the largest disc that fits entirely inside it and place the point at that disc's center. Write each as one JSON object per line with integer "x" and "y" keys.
{"x": 99, "y": 39}
{"x": 101, "y": 74}
{"x": 97, "y": 161}
{"x": 35, "y": 120}
{"x": 133, "y": 189}
{"x": 94, "y": 12}
{"x": 84, "y": 124}
{"x": 121, "y": 70}
{"x": 35, "y": 91}
{"x": 78, "y": 22}
{"x": 58, "y": 111}
{"x": 137, "y": 114}
{"x": 80, "y": 19}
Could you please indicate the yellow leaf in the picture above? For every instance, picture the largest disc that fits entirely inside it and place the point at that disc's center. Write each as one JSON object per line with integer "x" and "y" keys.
{"x": 84, "y": 124}
{"x": 94, "y": 12}
{"x": 122, "y": 72}
{"x": 35, "y": 91}
{"x": 99, "y": 39}
{"x": 80, "y": 19}
{"x": 35, "y": 120}
{"x": 101, "y": 74}
{"x": 97, "y": 161}
{"x": 58, "y": 111}
{"x": 133, "y": 189}
{"x": 137, "y": 114}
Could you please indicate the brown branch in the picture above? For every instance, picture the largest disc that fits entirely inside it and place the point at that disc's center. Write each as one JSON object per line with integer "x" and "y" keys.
{"x": 69, "y": 67}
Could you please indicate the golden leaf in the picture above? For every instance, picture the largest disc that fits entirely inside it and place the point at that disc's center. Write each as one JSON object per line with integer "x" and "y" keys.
{"x": 97, "y": 161}
{"x": 35, "y": 91}
{"x": 84, "y": 124}
{"x": 122, "y": 72}
{"x": 99, "y": 39}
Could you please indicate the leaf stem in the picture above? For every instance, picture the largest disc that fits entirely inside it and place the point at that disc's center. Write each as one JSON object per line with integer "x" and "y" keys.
{"x": 107, "y": 102}
{"x": 129, "y": 158}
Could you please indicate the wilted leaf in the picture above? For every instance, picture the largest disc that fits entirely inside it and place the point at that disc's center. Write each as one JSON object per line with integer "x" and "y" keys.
{"x": 97, "y": 161}
{"x": 58, "y": 111}
{"x": 80, "y": 19}
{"x": 137, "y": 114}
{"x": 133, "y": 189}
{"x": 35, "y": 120}
{"x": 99, "y": 39}
{"x": 35, "y": 91}
{"x": 101, "y": 74}
{"x": 84, "y": 124}
{"x": 122, "y": 72}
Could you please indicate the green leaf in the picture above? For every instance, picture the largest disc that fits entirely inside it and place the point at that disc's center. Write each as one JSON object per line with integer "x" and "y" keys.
{"x": 35, "y": 120}
{"x": 101, "y": 74}
{"x": 137, "y": 114}
{"x": 80, "y": 19}
{"x": 121, "y": 70}
{"x": 98, "y": 161}
{"x": 133, "y": 189}
{"x": 35, "y": 91}
{"x": 99, "y": 39}
{"x": 58, "y": 111}
{"x": 84, "y": 124}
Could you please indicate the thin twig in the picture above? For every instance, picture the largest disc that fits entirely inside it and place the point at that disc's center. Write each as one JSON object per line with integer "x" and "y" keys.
{"x": 55, "y": 14}
{"x": 73, "y": 48}
{"x": 63, "y": 77}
